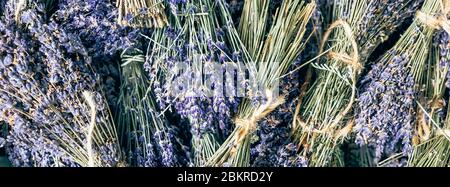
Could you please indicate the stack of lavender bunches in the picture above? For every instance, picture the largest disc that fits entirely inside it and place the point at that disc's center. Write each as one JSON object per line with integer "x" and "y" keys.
{"x": 391, "y": 90}
{"x": 241, "y": 83}
{"x": 355, "y": 30}
{"x": 51, "y": 98}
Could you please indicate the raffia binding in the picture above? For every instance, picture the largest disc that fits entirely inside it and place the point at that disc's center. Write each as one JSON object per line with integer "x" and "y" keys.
{"x": 350, "y": 60}
{"x": 247, "y": 125}
{"x": 90, "y": 132}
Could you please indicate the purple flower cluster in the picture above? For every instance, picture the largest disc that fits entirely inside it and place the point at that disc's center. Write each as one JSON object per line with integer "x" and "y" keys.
{"x": 274, "y": 131}
{"x": 382, "y": 19}
{"x": 317, "y": 17}
{"x": 288, "y": 157}
{"x": 163, "y": 148}
{"x": 385, "y": 119}
{"x": 43, "y": 72}
{"x": 167, "y": 149}
{"x": 207, "y": 112}
{"x": 95, "y": 22}
{"x": 146, "y": 135}
{"x": 144, "y": 158}
{"x": 444, "y": 53}
{"x": 272, "y": 134}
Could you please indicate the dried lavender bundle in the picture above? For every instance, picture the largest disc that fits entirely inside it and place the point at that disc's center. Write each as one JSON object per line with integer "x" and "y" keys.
{"x": 142, "y": 13}
{"x": 324, "y": 119}
{"x": 197, "y": 39}
{"x": 432, "y": 128}
{"x": 272, "y": 58}
{"x": 386, "y": 106}
{"x": 94, "y": 21}
{"x": 146, "y": 136}
{"x": 50, "y": 97}
{"x": 272, "y": 146}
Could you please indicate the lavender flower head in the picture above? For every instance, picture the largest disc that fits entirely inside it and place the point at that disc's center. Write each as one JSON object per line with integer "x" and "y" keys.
{"x": 207, "y": 106}
{"x": 383, "y": 17}
{"x": 274, "y": 131}
{"x": 44, "y": 71}
{"x": 444, "y": 53}
{"x": 386, "y": 109}
{"x": 94, "y": 21}
{"x": 288, "y": 157}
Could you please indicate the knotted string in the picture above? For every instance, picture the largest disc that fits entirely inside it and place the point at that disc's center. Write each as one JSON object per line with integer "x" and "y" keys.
{"x": 248, "y": 125}
{"x": 345, "y": 58}
{"x": 352, "y": 61}
{"x": 90, "y": 133}
{"x": 436, "y": 103}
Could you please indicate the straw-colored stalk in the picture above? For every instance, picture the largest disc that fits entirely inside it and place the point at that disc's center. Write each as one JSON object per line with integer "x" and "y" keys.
{"x": 273, "y": 56}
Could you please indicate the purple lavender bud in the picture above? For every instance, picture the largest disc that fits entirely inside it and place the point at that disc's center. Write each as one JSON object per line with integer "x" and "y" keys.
{"x": 386, "y": 109}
